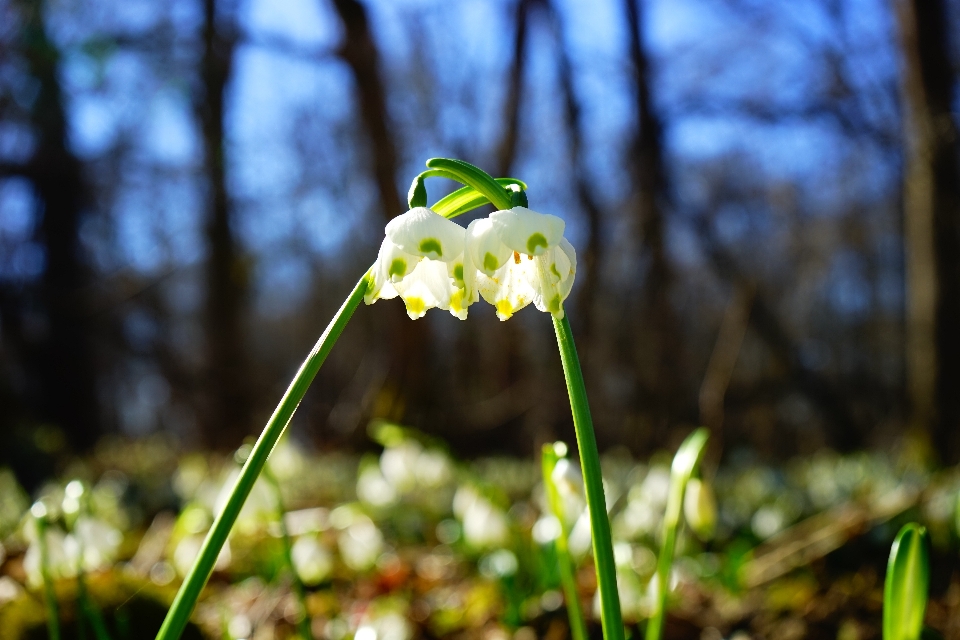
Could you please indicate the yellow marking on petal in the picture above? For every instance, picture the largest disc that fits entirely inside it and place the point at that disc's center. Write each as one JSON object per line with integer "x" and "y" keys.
{"x": 490, "y": 262}
{"x": 534, "y": 241}
{"x": 431, "y": 246}
{"x": 398, "y": 267}
{"x": 456, "y": 301}
{"x": 416, "y": 307}
{"x": 504, "y": 309}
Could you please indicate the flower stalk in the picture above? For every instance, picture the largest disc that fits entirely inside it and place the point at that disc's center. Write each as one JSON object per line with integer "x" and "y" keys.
{"x": 40, "y": 514}
{"x": 685, "y": 464}
{"x": 186, "y": 598}
{"x": 552, "y": 454}
{"x": 88, "y": 608}
{"x": 592, "y": 483}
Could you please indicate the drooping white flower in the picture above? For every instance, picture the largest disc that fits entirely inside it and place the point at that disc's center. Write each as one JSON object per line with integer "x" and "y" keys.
{"x": 421, "y": 261}
{"x": 516, "y": 257}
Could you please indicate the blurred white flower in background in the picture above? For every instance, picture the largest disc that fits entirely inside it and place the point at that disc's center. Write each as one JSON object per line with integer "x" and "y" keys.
{"x": 312, "y": 561}
{"x": 484, "y": 524}
{"x": 360, "y": 541}
{"x": 95, "y": 540}
{"x": 59, "y": 563}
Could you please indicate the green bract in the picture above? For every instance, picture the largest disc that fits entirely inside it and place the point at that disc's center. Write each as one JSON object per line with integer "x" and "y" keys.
{"x": 905, "y": 588}
{"x": 468, "y": 174}
{"x": 460, "y": 201}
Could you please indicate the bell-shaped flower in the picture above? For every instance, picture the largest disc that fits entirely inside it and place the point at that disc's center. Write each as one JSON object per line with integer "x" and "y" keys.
{"x": 516, "y": 257}
{"x": 421, "y": 261}
{"x": 700, "y": 508}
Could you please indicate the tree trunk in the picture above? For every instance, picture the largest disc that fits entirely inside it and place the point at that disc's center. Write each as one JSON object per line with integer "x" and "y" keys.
{"x": 663, "y": 345}
{"x": 507, "y": 147}
{"x": 360, "y": 53}
{"x": 64, "y": 359}
{"x": 227, "y": 418}
{"x": 931, "y": 202}
{"x": 573, "y": 116}
{"x": 409, "y": 341}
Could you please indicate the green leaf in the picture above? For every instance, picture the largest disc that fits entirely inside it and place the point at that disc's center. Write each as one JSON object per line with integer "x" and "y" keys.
{"x": 690, "y": 453}
{"x": 905, "y": 588}
{"x": 467, "y": 199}
{"x": 476, "y": 178}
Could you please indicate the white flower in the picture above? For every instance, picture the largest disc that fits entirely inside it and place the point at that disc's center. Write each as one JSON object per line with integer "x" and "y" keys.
{"x": 311, "y": 560}
{"x": 421, "y": 260}
{"x": 516, "y": 257}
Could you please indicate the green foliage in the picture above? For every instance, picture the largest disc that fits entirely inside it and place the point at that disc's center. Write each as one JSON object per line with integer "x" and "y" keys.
{"x": 905, "y": 587}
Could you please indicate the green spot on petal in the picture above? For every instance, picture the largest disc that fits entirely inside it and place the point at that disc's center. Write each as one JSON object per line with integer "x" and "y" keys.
{"x": 431, "y": 245}
{"x": 398, "y": 267}
{"x": 490, "y": 262}
{"x": 458, "y": 272}
{"x": 534, "y": 241}
{"x": 554, "y": 304}
{"x": 553, "y": 270}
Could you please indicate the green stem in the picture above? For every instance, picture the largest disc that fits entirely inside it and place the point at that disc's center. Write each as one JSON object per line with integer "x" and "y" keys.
{"x": 179, "y": 613}
{"x": 304, "y": 622}
{"x": 49, "y": 595}
{"x": 593, "y": 484}
{"x": 578, "y": 628}
{"x": 89, "y": 609}
{"x": 466, "y": 173}
{"x": 684, "y": 465}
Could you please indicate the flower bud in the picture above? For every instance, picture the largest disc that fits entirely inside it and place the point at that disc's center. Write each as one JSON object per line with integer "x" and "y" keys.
{"x": 700, "y": 508}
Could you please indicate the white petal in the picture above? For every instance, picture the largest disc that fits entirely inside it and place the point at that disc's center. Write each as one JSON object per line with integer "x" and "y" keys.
{"x": 424, "y": 233}
{"x": 483, "y": 244}
{"x": 566, "y": 266}
{"x": 548, "y": 297}
{"x": 512, "y": 287}
{"x": 527, "y": 231}
{"x": 460, "y": 299}
{"x": 470, "y": 292}
{"x": 428, "y": 287}
{"x": 556, "y": 270}
{"x": 391, "y": 266}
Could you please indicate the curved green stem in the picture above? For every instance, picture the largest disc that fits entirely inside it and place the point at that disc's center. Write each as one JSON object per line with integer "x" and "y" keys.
{"x": 179, "y": 613}
{"x": 552, "y": 453}
{"x": 475, "y": 177}
{"x": 592, "y": 483}
{"x": 467, "y": 198}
